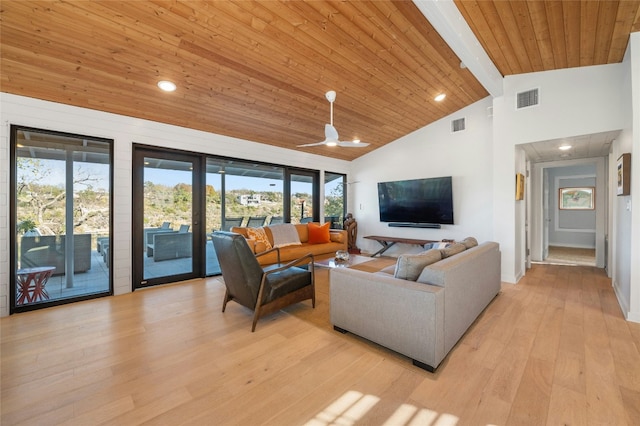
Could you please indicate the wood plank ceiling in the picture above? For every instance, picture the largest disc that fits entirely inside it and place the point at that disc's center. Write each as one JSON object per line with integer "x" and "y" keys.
{"x": 258, "y": 70}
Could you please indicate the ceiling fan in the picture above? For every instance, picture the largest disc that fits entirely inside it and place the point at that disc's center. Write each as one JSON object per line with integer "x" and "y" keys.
{"x": 330, "y": 132}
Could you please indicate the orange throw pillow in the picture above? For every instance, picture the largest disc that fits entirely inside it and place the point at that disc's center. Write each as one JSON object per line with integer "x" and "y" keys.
{"x": 318, "y": 234}
{"x": 259, "y": 236}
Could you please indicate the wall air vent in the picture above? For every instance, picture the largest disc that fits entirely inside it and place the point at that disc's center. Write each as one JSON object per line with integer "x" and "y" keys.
{"x": 527, "y": 99}
{"x": 457, "y": 125}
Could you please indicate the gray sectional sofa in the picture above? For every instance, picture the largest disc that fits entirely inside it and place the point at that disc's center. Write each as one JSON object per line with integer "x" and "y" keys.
{"x": 424, "y": 314}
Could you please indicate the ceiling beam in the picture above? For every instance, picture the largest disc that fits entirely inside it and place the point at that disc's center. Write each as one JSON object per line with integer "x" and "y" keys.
{"x": 448, "y": 21}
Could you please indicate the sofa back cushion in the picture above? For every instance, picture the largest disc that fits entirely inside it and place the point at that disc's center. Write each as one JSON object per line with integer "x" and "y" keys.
{"x": 409, "y": 266}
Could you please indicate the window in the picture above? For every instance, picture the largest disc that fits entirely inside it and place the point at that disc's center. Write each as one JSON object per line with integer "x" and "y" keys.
{"x": 61, "y": 211}
{"x": 334, "y": 199}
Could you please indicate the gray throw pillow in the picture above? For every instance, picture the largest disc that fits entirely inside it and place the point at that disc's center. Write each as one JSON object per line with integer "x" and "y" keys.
{"x": 409, "y": 266}
{"x": 454, "y": 248}
{"x": 469, "y": 242}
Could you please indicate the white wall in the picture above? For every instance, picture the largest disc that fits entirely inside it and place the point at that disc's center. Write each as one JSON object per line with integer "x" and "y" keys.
{"x": 483, "y": 160}
{"x": 634, "y": 110}
{"x": 432, "y": 151}
{"x": 573, "y": 102}
{"x": 125, "y": 131}
{"x": 625, "y": 245}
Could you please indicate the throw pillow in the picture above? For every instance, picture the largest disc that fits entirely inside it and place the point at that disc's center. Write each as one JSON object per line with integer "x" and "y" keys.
{"x": 409, "y": 266}
{"x": 318, "y": 234}
{"x": 469, "y": 242}
{"x": 452, "y": 249}
{"x": 284, "y": 234}
{"x": 259, "y": 236}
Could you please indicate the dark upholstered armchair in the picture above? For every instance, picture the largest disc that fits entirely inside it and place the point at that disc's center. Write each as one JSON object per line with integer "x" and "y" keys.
{"x": 262, "y": 290}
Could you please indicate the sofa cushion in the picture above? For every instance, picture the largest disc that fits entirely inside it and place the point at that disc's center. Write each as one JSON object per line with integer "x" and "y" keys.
{"x": 318, "y": 234}
{"x": 452, "y": 249}
{"x": 259, "y": 236}
{"x": 409, "y": 266}
{"x": 469, "y": 242}
{"x": 336, "y": 237}
{"x": 284, "y": 234}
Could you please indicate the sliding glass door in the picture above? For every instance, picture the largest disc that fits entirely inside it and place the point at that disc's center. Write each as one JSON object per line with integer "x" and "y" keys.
{"x": 61, "y": 211}
{"x": 166, "y": 217}
{"x": 180, "y": 199}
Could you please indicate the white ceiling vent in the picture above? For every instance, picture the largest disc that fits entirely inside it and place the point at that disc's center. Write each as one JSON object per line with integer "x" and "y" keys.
{"x": 457, "y": 125}
{"x": 527, "y": 99}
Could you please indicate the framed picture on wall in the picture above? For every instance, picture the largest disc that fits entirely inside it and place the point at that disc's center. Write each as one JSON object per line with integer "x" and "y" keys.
{"x": 624, "y": 174}
{"x": 519, "y": 186}
{"x": 582, "y": 198}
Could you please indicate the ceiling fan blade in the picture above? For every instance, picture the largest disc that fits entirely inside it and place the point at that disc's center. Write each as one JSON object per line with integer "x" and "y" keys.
{"x": 351, "y": 144}
{"x": 313, "y": 144}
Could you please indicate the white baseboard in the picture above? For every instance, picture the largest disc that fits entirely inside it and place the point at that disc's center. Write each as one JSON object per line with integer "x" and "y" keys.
{"x": 573, "y": 246}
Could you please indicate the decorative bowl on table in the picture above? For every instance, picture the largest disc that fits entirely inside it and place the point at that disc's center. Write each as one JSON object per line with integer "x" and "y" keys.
{"x": 342, "y": 256}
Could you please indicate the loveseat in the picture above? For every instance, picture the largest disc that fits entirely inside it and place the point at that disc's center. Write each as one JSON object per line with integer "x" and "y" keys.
{"x": 423, "y": 311}
{"x": 336, "y": 239}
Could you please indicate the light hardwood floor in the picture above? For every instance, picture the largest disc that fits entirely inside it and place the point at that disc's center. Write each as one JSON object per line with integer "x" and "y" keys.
{"x": 553, "y": 349}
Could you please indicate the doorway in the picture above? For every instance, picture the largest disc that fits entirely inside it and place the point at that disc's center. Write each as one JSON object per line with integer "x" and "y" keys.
{"x": 559, "y": 234}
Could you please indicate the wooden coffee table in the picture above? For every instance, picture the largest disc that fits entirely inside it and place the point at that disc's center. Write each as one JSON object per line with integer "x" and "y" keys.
{"x": 331, "y": 262}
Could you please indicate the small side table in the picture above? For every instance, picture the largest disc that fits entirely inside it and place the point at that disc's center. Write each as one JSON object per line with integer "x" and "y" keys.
{"x": 31, "y": 284}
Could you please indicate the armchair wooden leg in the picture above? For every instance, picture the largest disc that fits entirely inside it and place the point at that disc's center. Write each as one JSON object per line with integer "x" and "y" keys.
{"x": 226, "y": 299}
{"x": 256, "y": 315}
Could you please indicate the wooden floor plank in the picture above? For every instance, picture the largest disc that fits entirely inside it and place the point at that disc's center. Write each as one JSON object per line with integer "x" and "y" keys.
{"x": 551, "y": 349}
{"x": 531, "y": 403}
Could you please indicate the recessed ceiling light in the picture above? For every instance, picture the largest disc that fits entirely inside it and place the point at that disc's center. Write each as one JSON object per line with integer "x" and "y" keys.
{"x": 564, "y": 147}
{"x": 440, "y": 97}
{"x": 167, "y": 86}
{"x": 356, "y": 141}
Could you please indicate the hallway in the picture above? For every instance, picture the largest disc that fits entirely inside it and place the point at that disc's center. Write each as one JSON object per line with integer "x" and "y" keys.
{"x": 570, "y": 256}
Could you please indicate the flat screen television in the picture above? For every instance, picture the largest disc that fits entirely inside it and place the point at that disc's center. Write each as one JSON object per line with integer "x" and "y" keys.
{"x": 417, "y": 201}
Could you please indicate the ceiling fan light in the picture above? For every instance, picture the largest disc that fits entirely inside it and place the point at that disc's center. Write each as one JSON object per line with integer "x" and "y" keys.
{"x": 331, "y": 143}
{"x": 356, "y": 141}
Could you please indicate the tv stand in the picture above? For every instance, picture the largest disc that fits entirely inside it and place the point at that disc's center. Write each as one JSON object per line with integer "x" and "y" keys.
{"x": 414, "y": 225}
{"x": 388, "y": 242}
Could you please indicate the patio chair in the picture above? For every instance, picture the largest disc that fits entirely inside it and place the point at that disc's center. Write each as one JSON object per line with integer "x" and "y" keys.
{"x": 170, "y": 245}
{"x": 334, "y": 221}
{"x": 274, "y": 220}
{"x": 262, "y": 290}
{"x": 230, "y": 222}
{"x": 256, "y": 221}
